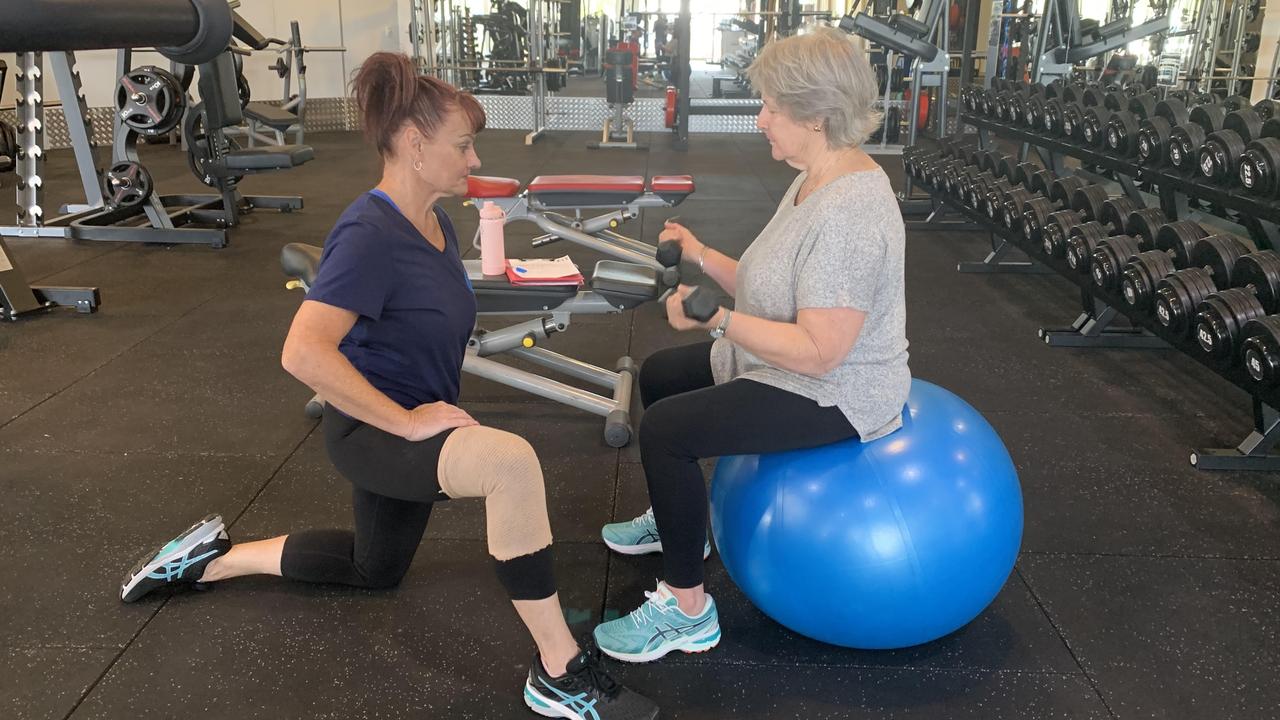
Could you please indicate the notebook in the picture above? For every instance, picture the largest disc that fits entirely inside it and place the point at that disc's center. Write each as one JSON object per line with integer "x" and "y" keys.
{"x": 561, "y": 271}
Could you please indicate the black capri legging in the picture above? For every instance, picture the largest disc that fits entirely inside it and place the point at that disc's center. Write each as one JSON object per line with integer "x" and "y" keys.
{"x": 395, "y": 485}
{"x": 688, "y": 417}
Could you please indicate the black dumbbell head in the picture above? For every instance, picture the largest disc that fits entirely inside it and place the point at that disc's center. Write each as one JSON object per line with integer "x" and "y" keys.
{"x": 1144, "y": 224}
{"x": 1140, "y": 276}
{"x": 1260, "y": 350}
{"x": 1260, "y": 271}
{"x": 1220, "y": 319}
{"x": 1084, "y": 239}
{"x": 1179, "y": 239}
{"x": 1178, "y": 296}
{"x": 1218, "y": 254}
{"x": 1115, "y": 213}
{"x": 1110, "y": 258}
{"x": 1260, "y": 167}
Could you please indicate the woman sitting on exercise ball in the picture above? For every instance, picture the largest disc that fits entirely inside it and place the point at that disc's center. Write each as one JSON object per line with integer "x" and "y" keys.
{"x": 382, "y": 336}
{"x": 814, "y": 352}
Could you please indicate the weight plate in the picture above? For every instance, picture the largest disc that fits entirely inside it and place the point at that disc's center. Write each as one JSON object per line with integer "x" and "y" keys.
{"x": 150, "y": 100}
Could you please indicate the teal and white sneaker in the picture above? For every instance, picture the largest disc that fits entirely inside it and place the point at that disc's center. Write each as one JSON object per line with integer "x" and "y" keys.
{"x": 638, "y": 536}
{"x": 181, "y": 560}
{"x": 658, "y": 627}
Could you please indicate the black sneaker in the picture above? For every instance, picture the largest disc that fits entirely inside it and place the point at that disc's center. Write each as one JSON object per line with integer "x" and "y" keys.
{"x": 584, "y": 692}
{"x": 181, "y": 560}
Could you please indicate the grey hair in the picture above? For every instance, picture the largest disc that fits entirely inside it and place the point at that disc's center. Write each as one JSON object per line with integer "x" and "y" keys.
{"x": 822, "y": 77}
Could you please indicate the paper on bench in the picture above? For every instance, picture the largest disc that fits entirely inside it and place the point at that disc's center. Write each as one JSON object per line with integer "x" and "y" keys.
{"x": 561, "y": 271}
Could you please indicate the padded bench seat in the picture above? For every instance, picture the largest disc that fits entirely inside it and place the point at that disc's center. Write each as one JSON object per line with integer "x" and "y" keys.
{"x": 269, "y": 157}
{"x": 574, "y": 191}
{"x": 481, "y": 186}
{"x": 270, "y": 115}
{"x": 585, "y": 190}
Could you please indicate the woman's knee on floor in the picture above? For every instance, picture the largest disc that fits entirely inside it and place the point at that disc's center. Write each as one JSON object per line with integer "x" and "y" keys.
{"x": 382, "y": 574}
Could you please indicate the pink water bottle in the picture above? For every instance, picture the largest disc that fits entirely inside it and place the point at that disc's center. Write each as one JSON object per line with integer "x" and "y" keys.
{"x": 493, "y": 252}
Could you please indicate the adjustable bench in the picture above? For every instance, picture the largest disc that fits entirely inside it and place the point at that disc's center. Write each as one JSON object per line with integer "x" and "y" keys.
{"x": 612, "y": 287}
{"x": 621, "y": 196}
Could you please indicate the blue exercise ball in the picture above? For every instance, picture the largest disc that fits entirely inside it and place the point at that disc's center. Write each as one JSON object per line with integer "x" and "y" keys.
{"x": 876, "y": 545}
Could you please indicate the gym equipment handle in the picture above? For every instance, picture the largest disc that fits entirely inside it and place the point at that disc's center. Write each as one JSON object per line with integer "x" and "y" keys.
{"x": 187, "y": 31}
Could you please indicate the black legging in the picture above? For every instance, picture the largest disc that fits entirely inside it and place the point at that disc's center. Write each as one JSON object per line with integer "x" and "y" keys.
{"x": 389, "y": 523}
{"x": 687, "y": 417}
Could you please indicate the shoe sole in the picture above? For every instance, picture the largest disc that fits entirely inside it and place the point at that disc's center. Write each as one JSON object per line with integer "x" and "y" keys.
{"x": 699, "y": 643}
{"x": 202, "y": 532}
{"x": 646, "y": 548}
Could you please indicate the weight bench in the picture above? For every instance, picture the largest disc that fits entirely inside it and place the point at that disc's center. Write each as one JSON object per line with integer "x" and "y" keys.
{"x": 274, "y": 118}
{"x": 547, "y": 198}
{"x": 612, "y": 288}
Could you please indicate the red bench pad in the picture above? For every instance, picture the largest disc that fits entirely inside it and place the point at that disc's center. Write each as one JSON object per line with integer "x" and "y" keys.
{"x": 587, "y": 184}
{"x": 672, "y": 184}
{"x": 479, "y": 186}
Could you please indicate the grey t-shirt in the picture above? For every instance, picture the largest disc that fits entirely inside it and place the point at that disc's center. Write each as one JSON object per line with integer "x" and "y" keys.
{"x": 842, "y": 247}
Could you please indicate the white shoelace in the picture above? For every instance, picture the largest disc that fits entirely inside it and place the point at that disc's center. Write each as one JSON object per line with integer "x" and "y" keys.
{"x": 651, "y": 605}
{"x": 645, "y": 519}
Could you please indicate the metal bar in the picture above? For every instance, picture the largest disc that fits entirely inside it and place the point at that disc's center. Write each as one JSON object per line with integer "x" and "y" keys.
{"x": 79, "y": 128}
{"x": 535, "y": 384}
{"x": 605, "y": 246}
{"x": 569, "y": 366}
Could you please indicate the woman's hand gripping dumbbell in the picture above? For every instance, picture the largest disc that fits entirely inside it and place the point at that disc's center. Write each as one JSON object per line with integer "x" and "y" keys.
{"x": 688, "y": 308}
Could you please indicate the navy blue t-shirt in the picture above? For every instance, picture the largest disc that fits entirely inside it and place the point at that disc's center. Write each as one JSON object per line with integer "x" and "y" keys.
{"x": 415, "y": 303}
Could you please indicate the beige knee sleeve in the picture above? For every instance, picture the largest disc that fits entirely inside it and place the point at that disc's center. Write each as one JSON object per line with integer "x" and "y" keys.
{"x": 502, "y": 468}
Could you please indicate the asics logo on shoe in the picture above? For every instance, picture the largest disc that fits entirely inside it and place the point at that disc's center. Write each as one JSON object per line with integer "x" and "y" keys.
{"x": 174, "y": 569}
{"x": 671, "y": 632}
{"x": 578, "y": 703}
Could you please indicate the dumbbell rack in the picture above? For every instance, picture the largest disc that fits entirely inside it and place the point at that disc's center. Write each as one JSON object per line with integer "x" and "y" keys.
{"x": 1257, "y": 215}
{"x": 1092, "y": 329}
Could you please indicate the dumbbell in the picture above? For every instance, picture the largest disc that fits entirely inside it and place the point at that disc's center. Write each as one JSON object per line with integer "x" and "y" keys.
{"x": 1084, "y": 238}
{"x": 1035, "y": 184}
{"x": 1178, "y": 295}
{"x": 1156, "y": 130}
{"x": 1033, "y": 112}
{"x": 1122, "y": 128}
{"x": 1220, "y": 156}
{"x": 701, "y": 304}
{"x": 1267, "y": 109}
{"x": 1174, "y": 240}
{"x": 1093, "y": 128}
{"x": 1005, "y": 101}
{"x": 1235, "y": 102}
{"x": 1036, "y": 212}
{"x": 1215, "y": 254}
{"x": 1086, "y": 205}
{"x": 1260, "y": 164}
{"x": 1144, "y": 224}
{"x": 1062, "y": 114}
{"x": 1260, "y": 350}
{"x": 1186, "y": 139}
{"x": 1018, "y": 173}
{"x": 982, "y": 188}
{"x": 1221, "y": 317}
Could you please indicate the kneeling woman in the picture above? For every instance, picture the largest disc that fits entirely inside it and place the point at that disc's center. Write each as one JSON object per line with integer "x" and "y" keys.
{"x": 381, "y": 336}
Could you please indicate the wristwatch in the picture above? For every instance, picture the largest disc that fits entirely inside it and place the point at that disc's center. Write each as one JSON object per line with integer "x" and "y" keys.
{"x": 720, "y": 329}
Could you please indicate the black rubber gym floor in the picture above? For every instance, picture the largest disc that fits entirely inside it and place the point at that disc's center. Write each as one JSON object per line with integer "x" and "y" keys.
{"x": 1145, "y": 588}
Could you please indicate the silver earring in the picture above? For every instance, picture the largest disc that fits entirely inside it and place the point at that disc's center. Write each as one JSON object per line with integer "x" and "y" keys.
{"x": 417, "y": 166}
